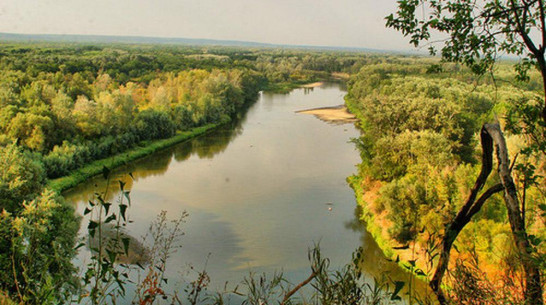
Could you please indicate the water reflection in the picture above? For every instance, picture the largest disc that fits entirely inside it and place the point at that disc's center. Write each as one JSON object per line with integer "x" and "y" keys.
{"x": 206, "y": 146}
{"x": 260, "y": 192}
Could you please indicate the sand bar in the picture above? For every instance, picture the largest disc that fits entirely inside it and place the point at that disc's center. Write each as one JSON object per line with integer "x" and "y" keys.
{"x": 313, "y": 85}
{"x": 337, "y": 114}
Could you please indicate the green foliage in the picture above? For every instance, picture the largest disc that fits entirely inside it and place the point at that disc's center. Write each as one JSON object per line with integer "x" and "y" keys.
{"x": 22, "y": 177}
{"x": 38, "y": 239}
{"x": 94, "y": 168}
{"x": 476, "y": 33}
{"x": 104, "y": 277}
{"x": 412, "y": 121}
{"x": 152, "y": 124}
{"x": 418, "y": 138}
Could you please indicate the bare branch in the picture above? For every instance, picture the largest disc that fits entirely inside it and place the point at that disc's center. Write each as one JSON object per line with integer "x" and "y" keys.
{"x": 298, "y": 287}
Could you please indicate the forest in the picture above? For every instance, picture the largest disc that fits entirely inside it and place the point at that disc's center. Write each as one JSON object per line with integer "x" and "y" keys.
{"x": 66, "y": 107}
{"x": 421, "y": 154}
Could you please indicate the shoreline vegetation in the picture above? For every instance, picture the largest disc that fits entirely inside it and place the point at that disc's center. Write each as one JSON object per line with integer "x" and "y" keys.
{"x": 70, "y": 110}
{"x": 418, "y": 166}
{"x": 336, "y": 114}
{"x": 144, "y": 149}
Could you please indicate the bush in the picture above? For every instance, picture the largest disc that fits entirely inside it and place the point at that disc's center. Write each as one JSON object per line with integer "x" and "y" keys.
{"x": 21, "y": 177}
{"x": 152, "y": 124}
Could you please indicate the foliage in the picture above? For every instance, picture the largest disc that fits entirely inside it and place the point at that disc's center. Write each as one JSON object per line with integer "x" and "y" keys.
{"x": 419, "y": 128}
{"x": 477, "y": 32}
{"x": 22, "y": 177}
{"x": 343, "y": 286}
{"x": 165, "y": 237}
{"x": 104, "y": 278}
{"x": 36, "y": 267}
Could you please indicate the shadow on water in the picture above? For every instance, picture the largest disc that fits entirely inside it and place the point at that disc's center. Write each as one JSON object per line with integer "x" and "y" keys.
{"x": 205, "y": 147}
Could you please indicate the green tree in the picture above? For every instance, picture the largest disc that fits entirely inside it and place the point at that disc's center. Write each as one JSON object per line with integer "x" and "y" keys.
{"x": 478, "y": 32}
{"x": 21, "y": 177}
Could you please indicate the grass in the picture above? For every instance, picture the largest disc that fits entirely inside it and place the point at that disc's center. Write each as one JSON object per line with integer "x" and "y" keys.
{"x": 146, "y": 148}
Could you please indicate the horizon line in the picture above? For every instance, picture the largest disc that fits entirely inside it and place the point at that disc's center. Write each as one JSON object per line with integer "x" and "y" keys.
{"x": 204, "y": 41}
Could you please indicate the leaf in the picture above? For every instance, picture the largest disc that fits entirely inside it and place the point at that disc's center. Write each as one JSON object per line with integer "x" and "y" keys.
{"x": 105, "y": 172}
{"x": 86, "y": 211}
{"x": 79, "y": 246}
{"x": 91, "y": 227}
{"x": 398, "y": 285}
{"x": 106, "y": 206}
{"x": 420, "y": 272}
{"x": 125, "y": 241}
{"x": 110, "y": 218}
{"x": 121, "y": 185}
{"x": 123, "y": 210}
{"x": 111, "y": 255}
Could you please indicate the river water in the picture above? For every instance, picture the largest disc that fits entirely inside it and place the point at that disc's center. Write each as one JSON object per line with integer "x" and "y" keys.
{"x": 259, "y": 193}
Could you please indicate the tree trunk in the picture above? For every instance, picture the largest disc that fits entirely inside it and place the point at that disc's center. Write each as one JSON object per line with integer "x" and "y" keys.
{"x": 492, "y": 134}
{"x": 542, "y": 67}
{"x": 469, "y": 209}
{"x": 533, "y": 286}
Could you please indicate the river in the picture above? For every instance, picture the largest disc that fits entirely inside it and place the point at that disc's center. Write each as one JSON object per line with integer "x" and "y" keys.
{"x": 259, "y": 193}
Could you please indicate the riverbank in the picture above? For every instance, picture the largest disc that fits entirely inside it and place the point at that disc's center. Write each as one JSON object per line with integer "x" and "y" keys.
{"x": 313, "y": 85}
{"x": 337, "y": 114}
{"x": 144, "y": 149}
{"x": 365, "y": 192}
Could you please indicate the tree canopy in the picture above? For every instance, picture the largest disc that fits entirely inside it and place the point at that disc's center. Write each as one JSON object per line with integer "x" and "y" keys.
{"x": 478, "y": 32}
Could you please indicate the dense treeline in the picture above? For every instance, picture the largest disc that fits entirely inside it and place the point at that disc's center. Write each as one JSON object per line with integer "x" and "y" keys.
{"x": 74, "y": 108}
{"x": 420, "y": 151}
{"x": 108, "y": 118}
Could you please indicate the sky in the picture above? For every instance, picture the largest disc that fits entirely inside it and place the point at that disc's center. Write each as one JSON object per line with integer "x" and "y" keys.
{"x": 342, "y": 23}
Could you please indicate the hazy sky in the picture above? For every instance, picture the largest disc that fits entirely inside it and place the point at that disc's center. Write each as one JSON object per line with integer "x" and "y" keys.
{"x": 354, "y": 23}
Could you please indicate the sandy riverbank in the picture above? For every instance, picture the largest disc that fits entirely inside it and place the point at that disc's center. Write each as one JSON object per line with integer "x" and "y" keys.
{"x": 337, "y": 114}
{"x": 313, "y": 85}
